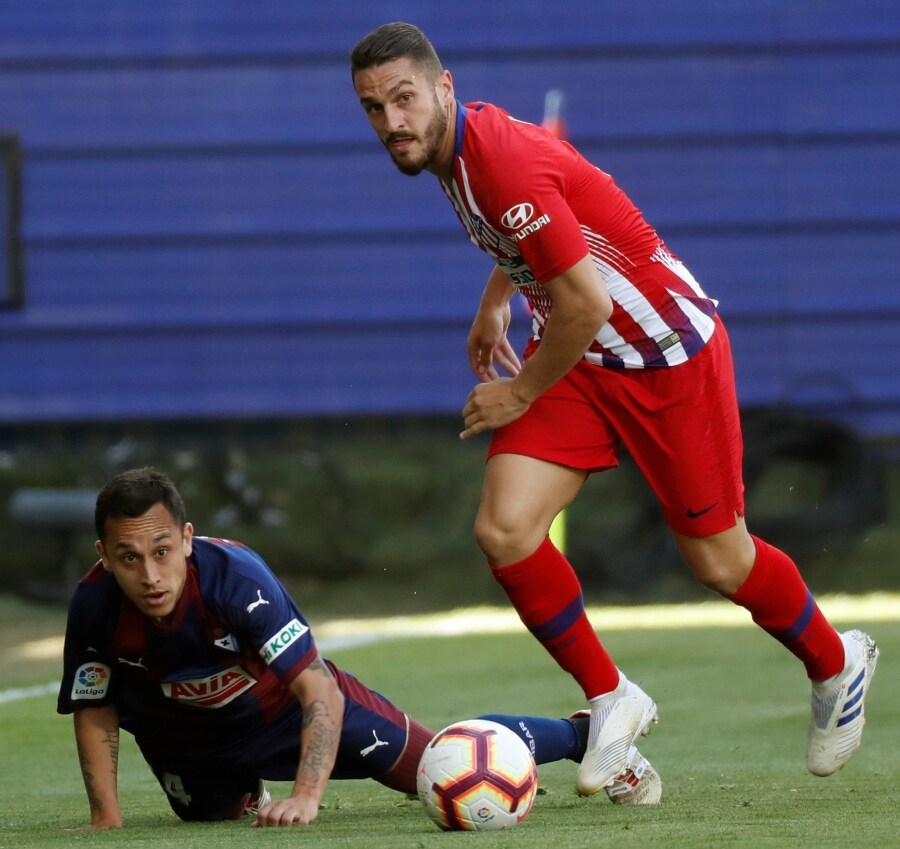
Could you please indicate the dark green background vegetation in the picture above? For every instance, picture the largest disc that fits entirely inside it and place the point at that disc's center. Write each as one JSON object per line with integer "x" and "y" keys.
{"x": 346, "y": 508}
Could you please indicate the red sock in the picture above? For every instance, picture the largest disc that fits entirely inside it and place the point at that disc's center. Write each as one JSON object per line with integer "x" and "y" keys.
{"x": 402, "y": 775}
{"x": 546, "y": 593}
{"x": 781, "y": 603}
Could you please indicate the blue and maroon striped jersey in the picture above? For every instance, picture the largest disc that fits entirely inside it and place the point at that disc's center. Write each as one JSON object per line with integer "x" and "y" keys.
{"x": 218, "y": 667}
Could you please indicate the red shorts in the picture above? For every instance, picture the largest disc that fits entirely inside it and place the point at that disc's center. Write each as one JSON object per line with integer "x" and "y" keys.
{"x": 681, "y": 426}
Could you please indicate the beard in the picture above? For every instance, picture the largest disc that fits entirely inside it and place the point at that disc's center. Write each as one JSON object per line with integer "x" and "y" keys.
{"x": 430, "y": 142}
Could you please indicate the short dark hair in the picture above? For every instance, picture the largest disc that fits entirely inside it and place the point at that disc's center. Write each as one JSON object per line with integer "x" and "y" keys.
{"x": 133, "y": 493}
{"x": 395, "y": 41}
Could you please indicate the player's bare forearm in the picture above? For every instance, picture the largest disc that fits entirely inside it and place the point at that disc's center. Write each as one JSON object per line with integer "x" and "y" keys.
{"x": 581, "y": 306}
{"x": 97, "y": 739}
{"x": 487, "y": 343}
{"x": 323, "y": 716}
{"x": 321, "y": 732}
{"x": 499, "y": 288}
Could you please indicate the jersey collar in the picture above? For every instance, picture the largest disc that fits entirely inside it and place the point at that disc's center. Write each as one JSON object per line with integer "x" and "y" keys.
{"x": 461, "y": 113}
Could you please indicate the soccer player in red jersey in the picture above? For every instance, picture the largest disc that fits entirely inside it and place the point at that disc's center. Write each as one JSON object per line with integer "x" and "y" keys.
{"x": 193, "y": 645}
{"x": 628, "y": 350}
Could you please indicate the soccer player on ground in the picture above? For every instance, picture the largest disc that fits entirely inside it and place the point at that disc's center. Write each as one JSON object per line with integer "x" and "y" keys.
{"x": 627, "y": 350}
{"x": 193, "y": 645}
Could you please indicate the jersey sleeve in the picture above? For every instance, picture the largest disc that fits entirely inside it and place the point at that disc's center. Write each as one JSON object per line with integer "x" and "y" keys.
{"x": 525, "y": 178}
{"x": 88, "y": 667}
{"x": 258, "y": 607}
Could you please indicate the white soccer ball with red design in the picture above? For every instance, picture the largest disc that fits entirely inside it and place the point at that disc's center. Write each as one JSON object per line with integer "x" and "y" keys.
{"x": 477, "y": 775}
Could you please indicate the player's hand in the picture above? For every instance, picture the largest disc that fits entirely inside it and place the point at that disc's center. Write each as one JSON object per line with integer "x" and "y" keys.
{"x": 488, "y": 345}
{"x": 101, "y": 825}
{"x": 295, "y": 810}
{"x": 492, "y": 405}
{"x": 504, "y": 355}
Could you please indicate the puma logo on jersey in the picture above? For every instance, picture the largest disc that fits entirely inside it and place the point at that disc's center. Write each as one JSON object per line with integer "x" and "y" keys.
{"x": 255, "y": 604}
{"x": 369, "y": 749}
{"x": 139, "y": 664}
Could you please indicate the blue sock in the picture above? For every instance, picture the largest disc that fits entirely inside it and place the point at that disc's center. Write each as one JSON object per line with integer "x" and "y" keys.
{"x": 548, "y": 739}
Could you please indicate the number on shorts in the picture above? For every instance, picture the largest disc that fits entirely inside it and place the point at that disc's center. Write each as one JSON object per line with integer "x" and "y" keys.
{"x": 174, "y": 786}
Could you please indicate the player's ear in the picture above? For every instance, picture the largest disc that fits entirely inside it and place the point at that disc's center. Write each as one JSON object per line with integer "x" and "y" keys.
{"x": 187, "y": 538}
{"x": 445, "y": 87}
{"x": 102, "y": 552}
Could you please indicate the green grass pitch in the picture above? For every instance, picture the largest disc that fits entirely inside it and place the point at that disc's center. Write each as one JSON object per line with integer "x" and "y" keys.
{"x": 729, "y": 747}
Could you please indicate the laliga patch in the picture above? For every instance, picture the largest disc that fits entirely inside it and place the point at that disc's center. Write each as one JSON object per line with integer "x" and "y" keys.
{"x": 280, "y": 642}
{"x": 91, "y": 681}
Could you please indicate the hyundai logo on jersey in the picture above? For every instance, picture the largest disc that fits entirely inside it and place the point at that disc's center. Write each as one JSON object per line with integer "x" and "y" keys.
{"x": 517, "y": 216}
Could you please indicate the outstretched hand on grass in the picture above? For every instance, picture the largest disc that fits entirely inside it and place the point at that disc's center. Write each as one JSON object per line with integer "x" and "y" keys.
{"x": 295, "y": 810}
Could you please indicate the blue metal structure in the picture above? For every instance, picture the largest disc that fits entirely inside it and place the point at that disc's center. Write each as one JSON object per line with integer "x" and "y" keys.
{"x": 210, "y": 230}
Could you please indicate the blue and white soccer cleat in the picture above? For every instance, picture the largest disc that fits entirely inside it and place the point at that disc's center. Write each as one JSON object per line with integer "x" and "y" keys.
{"x": 638, "y": 784}
{"x": 838, "y": 708}
{"x": 617, "y": 719}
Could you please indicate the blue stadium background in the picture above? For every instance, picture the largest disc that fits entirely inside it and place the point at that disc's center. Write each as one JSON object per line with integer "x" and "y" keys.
{"x": 210, "y": 230}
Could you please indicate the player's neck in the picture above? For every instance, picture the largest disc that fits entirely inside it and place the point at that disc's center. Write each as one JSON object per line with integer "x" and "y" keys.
{"x": 442, "y": 166}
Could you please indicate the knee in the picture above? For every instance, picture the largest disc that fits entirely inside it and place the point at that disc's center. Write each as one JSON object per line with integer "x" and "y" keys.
{"x": 721, "y": 565}
{"x": 719, "y": 576}
{"x": 492, "y": 538}
{"x": 505, "y": 542}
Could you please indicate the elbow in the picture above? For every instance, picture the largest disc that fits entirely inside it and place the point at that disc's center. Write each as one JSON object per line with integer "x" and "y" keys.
{"x": 599, "y": 312}
{"x": 604, "y": 311}
{"x": 334, "y": 702}
{"x": 339, "y": 703}
{"x": 596, "y": 304}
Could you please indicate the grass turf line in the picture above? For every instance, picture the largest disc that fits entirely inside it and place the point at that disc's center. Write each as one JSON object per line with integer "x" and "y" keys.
{"x": 730, "y": 749}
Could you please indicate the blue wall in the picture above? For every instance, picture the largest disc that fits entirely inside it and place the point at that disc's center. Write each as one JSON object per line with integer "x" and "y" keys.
{"x": 211, "y": 230}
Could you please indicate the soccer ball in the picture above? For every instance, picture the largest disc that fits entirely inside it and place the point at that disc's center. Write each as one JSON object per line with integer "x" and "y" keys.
{"x": 477, "y": 775}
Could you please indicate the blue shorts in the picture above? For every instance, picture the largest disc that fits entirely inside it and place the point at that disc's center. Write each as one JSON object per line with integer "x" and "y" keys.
{"x": 378, "y": 741}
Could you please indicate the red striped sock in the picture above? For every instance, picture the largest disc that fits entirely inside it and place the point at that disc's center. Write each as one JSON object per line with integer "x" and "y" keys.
{"x": 402, "y": 775}
{"x": 546, "y": 593}
{"x": 780, "y": 602}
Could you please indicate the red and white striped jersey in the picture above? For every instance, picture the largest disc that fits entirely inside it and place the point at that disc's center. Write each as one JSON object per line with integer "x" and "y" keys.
{"x": 538, "y": 207}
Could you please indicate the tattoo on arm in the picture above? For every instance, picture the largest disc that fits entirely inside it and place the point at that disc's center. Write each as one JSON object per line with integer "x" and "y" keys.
{"x": 111, "y": 741}
{"x": 319, "y": 665}
{"x": 321, "y": 733}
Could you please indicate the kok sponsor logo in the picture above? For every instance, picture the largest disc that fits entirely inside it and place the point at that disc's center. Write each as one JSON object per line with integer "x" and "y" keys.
{"x": 517, "y": 216}
{"x": 91, "y": 681}
{"x": 278, "y": 643}
{"x": 214, "y": 691}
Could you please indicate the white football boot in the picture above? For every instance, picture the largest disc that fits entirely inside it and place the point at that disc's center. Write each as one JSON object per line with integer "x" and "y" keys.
{"x": 838, "y": 707}
{"x": 263, "y": 798}
{"x": 638, "y": 784}
{"x": 617, "y": 719}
